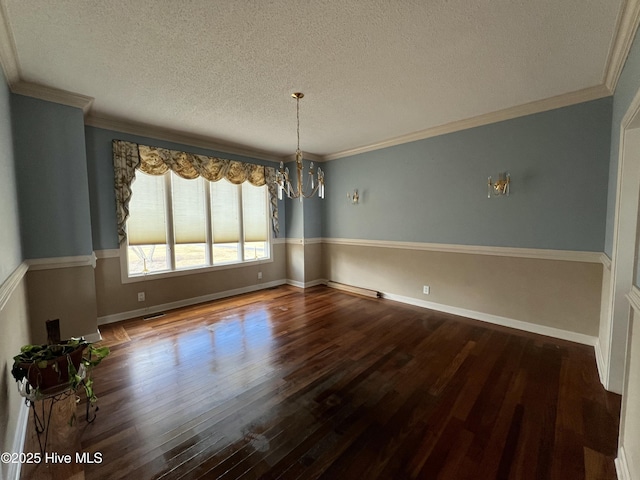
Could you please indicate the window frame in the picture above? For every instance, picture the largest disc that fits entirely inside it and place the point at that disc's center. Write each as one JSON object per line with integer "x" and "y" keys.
{"x": 173, "y": 272}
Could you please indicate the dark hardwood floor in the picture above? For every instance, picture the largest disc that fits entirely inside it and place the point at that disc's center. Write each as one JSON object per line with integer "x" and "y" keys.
{"x": 286, "y": 383}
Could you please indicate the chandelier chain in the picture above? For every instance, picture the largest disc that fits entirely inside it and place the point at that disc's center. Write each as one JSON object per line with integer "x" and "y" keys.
{"x": 298, "y": 119}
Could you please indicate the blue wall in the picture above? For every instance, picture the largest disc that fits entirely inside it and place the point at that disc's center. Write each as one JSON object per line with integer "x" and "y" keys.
{"x": 432, "y": 190}
{"x": 51, "y": 171}
{"x": 101, "y": 183}
{"x": 435, "y": 191}
{"x": 10, "y": 249}
{"x": 304, "y": 219}
{"x": 294, "y": 215}
{"x": 313, "y": 208}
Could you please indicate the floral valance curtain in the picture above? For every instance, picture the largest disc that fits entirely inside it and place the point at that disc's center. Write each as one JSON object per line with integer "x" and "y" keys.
{"x": 129, "y": 157}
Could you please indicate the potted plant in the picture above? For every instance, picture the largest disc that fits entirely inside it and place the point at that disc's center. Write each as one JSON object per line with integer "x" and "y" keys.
{"x": 42, "y": 370}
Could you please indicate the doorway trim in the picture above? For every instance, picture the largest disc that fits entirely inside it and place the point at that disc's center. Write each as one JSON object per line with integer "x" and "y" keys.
{"x": 625, "y": 246}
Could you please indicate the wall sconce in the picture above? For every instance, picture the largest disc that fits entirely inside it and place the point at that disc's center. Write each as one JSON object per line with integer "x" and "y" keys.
{"x": 500, "y": 186}
{"x": 354, "y": 197}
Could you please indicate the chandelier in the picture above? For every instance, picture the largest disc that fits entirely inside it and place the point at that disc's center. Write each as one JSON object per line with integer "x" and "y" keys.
{"x": 282, "y": 175}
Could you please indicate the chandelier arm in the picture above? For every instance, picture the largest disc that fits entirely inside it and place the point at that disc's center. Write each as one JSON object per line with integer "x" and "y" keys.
{"x": 305, "y": 186}
{"x": 292, "y": 191}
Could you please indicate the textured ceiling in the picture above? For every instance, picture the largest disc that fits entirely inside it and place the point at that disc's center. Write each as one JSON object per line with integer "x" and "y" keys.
{"x": 370, "y": 70}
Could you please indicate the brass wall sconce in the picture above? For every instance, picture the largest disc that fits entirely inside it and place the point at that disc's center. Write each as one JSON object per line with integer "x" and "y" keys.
{"x": 500, "y": 186}
{"x": 354, "y": 197}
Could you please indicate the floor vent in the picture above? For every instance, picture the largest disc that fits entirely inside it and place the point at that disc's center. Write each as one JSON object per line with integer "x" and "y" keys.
{"x": 153, "y": 315}
{"x": 360, "y": 291}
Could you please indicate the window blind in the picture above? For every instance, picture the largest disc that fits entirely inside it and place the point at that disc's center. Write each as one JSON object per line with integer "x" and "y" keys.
{"x": 188, "y": 201}
{"x": 147, "y": 218}
{"x": 225, "y": 212}
{"x": 254, "y": 213}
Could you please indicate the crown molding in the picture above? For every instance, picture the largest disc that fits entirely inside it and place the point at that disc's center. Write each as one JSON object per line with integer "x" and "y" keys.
{"x": 626, "y": 27}
{"x": 145, "y": 130}
{"x": 160, "y": 133}
{"x": 538, "y": 106}
{"x": 169, "y": 135}
{"x": 54, "y": 95}
{"x": 8, "y": 56}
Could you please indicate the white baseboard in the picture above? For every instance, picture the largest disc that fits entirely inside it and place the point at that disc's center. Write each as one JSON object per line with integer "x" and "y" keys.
{"x": 13, "y": 472}
{"x": 295, "y": 283}
{"x": 485, "y": 317}
{"x": 497, "y": 320}
{"x": 118, "y": 317}
{"x": 601, "y": 364}
{"x": 93, "y": 337}
{"x": 622, "y": 466}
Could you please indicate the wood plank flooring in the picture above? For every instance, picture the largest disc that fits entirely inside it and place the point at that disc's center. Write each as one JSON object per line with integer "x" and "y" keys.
{"x": 321, "y": 384}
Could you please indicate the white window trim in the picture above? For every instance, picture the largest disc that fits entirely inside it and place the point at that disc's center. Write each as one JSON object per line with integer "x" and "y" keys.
{"x": 125, "y": 278}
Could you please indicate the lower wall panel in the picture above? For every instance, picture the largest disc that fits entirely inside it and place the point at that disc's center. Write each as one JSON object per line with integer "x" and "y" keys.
{"x": 560, "y": 294}
{"x": 68, "y": 294}
{"x": 312, "y": 262}
{"x": 115, "y": 299}
{"x": 14, "y": 333}
{"x": 304, "y": 263}
{"x": 295, "y": 262}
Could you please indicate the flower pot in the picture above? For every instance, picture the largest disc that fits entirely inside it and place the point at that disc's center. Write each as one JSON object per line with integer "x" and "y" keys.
{"x": 56, "y": 372}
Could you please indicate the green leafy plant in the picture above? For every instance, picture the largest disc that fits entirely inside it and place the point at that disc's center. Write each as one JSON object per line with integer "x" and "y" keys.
{"x": 47, "y": 367}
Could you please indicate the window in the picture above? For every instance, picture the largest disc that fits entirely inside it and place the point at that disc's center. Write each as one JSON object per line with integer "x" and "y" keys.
{"x": 178, "y": 224}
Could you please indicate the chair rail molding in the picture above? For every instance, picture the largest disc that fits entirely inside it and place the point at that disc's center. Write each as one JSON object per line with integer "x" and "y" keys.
{"x": 544, "y": 254}
{"x": 9, "y": 285}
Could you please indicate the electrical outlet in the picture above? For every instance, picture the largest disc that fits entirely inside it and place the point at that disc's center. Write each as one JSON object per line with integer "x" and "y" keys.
{"x": 259, "y": 275}
{"x": 141, "y": 296}
{"x": 426, "y": 289}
